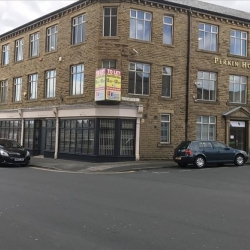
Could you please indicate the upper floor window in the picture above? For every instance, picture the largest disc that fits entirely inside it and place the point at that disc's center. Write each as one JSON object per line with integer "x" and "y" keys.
{"x": 166, "y": 81}
{"x": 238, "y": 43}
{"x": 206, "y": 86}
{"x": 77, "y": 79}
{"x": 165, "y": 128}
{"x": 110, "y": 22}
{"x": 208, "y": 37}
{"x": 237, "y": 89}
{"x": 167, "y": 30}
{"x": 51, "y": 38}
{"x": 109, "y": 64}
{"x": 6, "y": 54}
{"x": 140, "y": 25}
{"x": 17, "y": 89}
{"x": 3, "y": 91}
{"x": 32, "y": 87}
{"x": 50, "y": 83}
{"x": 139, "y": 75}
{"x": 34, "y": 44}
{"x": 79, "y": 29}
{"x": 19, "y": 50}
{"x": 205, "y": 128}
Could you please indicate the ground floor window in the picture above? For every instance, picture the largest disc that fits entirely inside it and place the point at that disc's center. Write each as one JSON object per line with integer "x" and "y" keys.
{"x": 127, "y": 137}
{"x": 11, "y": 130}
{"x": 77, "y": 136}
{"x": 205, "y": 128}
{"x": 50, "y": 134}
{"x": 28, "y": 134}
{"x": 165, "y": 128}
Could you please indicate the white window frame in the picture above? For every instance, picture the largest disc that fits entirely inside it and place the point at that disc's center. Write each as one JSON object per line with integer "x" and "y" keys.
{"x": 19, "y": 50}
{"x": 166, "y": 24}
{"x": 202, "y": 82}
{"x": 50, "y": 83}
{"x": 51, "y": 38}
{"x": 168, "y": 122}
{"x": 109, "y": 62}
{"x": 6, "y": 54}
{"x": 213, "y": 30}
{"x": 17, "y": 89}
{"x": 79, "y": 25}
{"x": 147, "y": 18}
{"x": 134, "y": 69}
{"x": 34, "y": 44}
{"x": 111, "y": 17}
{"x": 75, "y": 72}
{"x": 165, "y": 73}
{"x": 242, "y": 82}
{"x": 242, "y": 39}
{"x": 211, "y": 127}
{"x": 3, "y": 91}
{"x": 32, "y": 87}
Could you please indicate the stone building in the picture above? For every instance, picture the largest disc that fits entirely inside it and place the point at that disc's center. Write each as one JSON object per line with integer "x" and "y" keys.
{"x": 184, "y": 75}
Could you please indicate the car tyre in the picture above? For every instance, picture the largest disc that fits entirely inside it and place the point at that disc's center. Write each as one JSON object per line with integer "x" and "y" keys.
{"x": 239, "y": 160}
{"x": 182, "y": 165}
{"x": 199, "y": 162}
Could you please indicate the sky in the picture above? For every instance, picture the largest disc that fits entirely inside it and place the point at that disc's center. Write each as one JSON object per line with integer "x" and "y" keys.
{"x": 14, "y": 13}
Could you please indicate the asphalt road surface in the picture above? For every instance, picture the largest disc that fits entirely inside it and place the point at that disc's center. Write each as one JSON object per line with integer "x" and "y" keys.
{"x": 163, "y": 209}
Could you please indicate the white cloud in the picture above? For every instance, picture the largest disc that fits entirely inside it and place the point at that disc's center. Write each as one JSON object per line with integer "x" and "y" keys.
{"x": 16, "y": 13}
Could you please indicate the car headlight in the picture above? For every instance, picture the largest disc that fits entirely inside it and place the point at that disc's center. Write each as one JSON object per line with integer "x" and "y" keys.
{"x": 3, "y": 153}
{"x": 27, "y": 153}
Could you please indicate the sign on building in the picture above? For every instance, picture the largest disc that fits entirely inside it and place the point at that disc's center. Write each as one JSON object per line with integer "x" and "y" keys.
{"x": 108, "y": 85}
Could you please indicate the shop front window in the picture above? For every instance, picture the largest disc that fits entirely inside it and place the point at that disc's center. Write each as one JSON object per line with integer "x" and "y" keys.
{"x": 107, "y": 137}
{"x": 127, "y": 137}
{"x": 11, "y": 130}
{"x": 28, "y": 134}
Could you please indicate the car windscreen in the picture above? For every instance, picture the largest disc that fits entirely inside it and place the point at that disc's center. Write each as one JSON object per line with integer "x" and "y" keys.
{"x": 9, "y": 144}
{"x": 184, "y": 145}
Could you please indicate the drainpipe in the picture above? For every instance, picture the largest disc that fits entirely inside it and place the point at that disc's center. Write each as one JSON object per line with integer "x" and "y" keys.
{"x": 188, "y": 73}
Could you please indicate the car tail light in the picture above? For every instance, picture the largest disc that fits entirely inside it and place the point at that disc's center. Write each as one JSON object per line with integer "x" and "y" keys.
{"x": 188, "y": 152}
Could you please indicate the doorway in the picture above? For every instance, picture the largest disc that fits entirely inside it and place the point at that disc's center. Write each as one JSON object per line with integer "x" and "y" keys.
{"x": 237, "y": 137}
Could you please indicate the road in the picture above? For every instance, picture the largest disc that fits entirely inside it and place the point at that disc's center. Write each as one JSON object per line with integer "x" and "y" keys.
{"x": 169, "y": 208}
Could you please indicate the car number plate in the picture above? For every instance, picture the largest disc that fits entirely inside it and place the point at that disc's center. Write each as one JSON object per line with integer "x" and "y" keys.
{"x": 177, "y": 158}
{"x": 19, "y": 159}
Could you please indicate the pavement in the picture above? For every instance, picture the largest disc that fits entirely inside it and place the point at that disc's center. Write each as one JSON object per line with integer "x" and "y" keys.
{"x": 91, "y": 167}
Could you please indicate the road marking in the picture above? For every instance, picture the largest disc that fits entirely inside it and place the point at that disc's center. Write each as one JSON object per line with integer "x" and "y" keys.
{"x": 185, "y": 170}
{"x": 161, "y": 172}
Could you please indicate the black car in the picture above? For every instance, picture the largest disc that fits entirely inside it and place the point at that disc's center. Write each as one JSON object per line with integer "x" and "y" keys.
{"x": 12, "y": 152}
{"x": 200, "y": 153}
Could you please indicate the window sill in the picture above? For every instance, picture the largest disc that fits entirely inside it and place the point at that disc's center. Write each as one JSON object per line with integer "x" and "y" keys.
{"x": 236, "y": 104}
{"x": 139, "y": 96}
{"x": 168, "y": 45}
{"x": 207, "y": 102}
{"x": 74, "y": 96}
{"x": 110, "y": 38}
{"x": 208, "y": 52}
{"x": 17, "y": 102}
{"x": 77, "y": 44}
{"x": 140, "y": 41}
{"x": 238, "y": 56}
{"x": 33, "y": 57}
{"x": 50, "y": 52}
{"x": 164, "y": 145}
{"x": 35, "y": 100}
{"x": 5, "y": 65}
{"x": 3, "y": 103}
{"x": 48, "y": 99}
{"x": 16, "y": 62}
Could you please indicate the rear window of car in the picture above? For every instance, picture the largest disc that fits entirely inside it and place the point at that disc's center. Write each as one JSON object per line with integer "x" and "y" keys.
{"x": 184, "y": 145}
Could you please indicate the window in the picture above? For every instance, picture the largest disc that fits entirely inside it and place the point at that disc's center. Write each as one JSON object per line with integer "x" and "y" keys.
{"x": 51, "y": 39}
{"x": 50, "y": 84}
{"x": 50, "y": 135}
{"x": 79, "y": 29}
{"x": 166, "y": 81}
{"x": 167, "y": 30}
{"x": 34, "y": 44}
{"x": 11, "y": 130}
{"x": 110, "y": 22}
{"x": 28, "y": 134}
{"x": 219, "y": 145}
{"x": 19, "y": 50}
{"x": 206, "y": 86}
{"x": 205, "y": 128}
{"x": 127, "y": 137}
{"x": 237, "y": 89}
{"x": 208, "y": 36}
{"x": 4, "y": 91}
{"x": 139, "y": 75}
{"x": 77, "y": 136}
{"x": 32, "y": 87}
{"x": 165, "y": 128}
{"x": 6, "y": 54}
{"x": 109, "y": 64}
{"x": 140, "y": 25}
{"x": 17, "y": 89}
{"x": 238, "y": 43}
{"x": 77, "y": 79}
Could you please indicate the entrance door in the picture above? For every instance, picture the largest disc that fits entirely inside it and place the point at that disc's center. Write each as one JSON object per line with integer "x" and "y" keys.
{"x": 237, "y": 138}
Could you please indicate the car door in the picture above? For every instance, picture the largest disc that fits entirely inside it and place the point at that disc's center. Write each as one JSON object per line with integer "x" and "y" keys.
{"x": 209, "y": 152}
{"x": 226, "y": 153}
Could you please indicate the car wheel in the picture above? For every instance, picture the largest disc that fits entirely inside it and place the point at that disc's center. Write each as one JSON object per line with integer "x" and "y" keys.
{"x": 199, "y": 162}
{"x": 239, "y": 160}
{"x": 182, "y": 165}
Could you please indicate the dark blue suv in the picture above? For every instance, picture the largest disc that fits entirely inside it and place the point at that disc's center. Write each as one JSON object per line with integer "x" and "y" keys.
{"x": 200, "y": 153}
